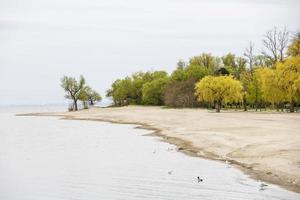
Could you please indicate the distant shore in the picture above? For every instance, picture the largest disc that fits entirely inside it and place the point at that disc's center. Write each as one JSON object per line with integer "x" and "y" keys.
{"x": 264, "y": 145}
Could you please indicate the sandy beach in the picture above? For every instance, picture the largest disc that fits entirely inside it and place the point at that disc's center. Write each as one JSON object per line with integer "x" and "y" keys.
{"x": 264, "y": 145}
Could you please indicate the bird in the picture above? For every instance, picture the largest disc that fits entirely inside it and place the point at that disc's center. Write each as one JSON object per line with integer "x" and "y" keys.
{"x": 199, "y": 179}
{"x": 170, "y": 172}
{"x": 227, "y": 164}
{"x": 262, "y": 185}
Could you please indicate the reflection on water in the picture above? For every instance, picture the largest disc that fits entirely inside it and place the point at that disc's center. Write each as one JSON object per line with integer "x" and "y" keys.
{"x": 45, "y": 158}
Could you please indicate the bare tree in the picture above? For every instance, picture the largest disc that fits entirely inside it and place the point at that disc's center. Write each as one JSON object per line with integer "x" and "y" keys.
{"x": 275, "y": 42}
{"x": 249, "y": 55}
{"x": 283, "y": 40}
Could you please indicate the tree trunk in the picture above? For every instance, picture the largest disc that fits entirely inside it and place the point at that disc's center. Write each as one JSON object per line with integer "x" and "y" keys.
{"x": 91, "y": 102}
{"x": 256, "y": 105}
{"x": 75, "y": 104}
{"x": 292, "y": 108}
{"x": 277, "y": 107}
{"x": 245, "y": 103}
{"x": 245, "y": 107}
{"x": 218, "y": 106}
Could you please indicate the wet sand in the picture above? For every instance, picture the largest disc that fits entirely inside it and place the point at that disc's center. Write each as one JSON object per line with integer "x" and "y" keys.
{"x": 264, "y": 145}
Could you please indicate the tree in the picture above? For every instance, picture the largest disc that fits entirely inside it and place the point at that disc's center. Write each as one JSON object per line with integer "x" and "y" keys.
{"x": 294, "y": 47}
{"x": 209, "y": 62}
{"x": 250, "y": 56}
{"x": 153, "y": 91}
{"x": 288, "y": 73}
{"x": 179, "y": 74}
{"x": 138, "y": 81}
{"x": 121, "y": 91}
{"x": 219, "y": 90}
{"x": 73, "y": 88}
{"x": 180, "y": 94}
{"x": 275, "y": 42}
{"x": 252, "y": 88}
{"x": 269, "y": 83}
{"x": 92, "y": 96}
{"x": 234, "y": 65}
{"x": 229, "y": 60}
{"x": 261, "y": 60}
{"x": 241, "y": 67}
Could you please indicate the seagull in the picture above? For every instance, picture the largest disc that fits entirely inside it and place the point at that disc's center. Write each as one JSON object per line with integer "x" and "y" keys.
{"x": 199, "y": 179}
{"x": 262, "y": 185}
{"x": 227, "y": 164}
{"x": 170, "y": 172}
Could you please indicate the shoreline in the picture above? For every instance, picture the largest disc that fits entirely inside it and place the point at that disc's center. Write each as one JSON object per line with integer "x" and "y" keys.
{"x": 183, "y": 145}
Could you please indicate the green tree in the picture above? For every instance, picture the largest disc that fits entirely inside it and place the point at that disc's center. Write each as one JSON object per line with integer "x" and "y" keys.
{"x": 229, "y": 60}
{"x": 179, "y": 74}
{"x": 92, "y": 96}
{"x": 209, "y": 62}
{"x": 252, "y": 88}
{"x": 153, "y": 91}
{"x": 219, "y": 90}
{"x": 138, "y": 81}
{"x": 73, "y": 88}
{"x": 234, "y": 65}
{"x": 121, "y": 91}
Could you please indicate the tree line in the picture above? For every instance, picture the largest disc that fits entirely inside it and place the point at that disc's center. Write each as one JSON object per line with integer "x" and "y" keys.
{"x": 269, "y": 79}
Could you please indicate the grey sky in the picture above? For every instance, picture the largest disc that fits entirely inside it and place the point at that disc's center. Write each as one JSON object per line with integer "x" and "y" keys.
{"x": 42, "y": 40}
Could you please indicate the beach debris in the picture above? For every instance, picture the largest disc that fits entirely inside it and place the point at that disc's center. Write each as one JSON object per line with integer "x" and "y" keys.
{"x": 262, "y": 185}
{"x": 199, "y": 179}
{"x": 170, "y": 172}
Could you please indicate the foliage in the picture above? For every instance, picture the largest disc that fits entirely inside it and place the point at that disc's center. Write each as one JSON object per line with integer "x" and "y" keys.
{"x": 132, "y": 90}
{"x": 294, "y": 47}
{"x": 90, "y": 95}
{"x": 121, "y": 91}
{"x": 252, "y": 88}
{"x": 234, "y": 65}
{"x": 209, "y": 62}
{"x": 73, "y": 88}
{"x": 153, "y": 91}
{"x": 270, "y": 85}
{"x": 219, "y": 90}
{"x": 288, "y": 73}
{"x": 253, "y": 81}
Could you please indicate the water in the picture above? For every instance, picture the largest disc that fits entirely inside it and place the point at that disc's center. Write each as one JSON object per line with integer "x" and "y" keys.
{"x": 44, "y": 158}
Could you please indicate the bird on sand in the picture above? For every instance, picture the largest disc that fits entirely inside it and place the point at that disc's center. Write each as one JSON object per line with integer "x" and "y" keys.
{"x": 227, "y": 164}
{"x": 262, "y": 185}
{"x": 199, "y": 179}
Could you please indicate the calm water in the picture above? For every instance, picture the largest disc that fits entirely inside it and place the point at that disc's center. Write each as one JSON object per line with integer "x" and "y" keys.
{"x": 44, "y": 158}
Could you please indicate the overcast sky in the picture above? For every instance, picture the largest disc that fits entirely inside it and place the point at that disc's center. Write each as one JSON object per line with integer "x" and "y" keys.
{"x": 42, "y": 40}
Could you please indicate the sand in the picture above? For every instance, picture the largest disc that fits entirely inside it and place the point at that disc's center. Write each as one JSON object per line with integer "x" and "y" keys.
{"x": 264, "y": 145}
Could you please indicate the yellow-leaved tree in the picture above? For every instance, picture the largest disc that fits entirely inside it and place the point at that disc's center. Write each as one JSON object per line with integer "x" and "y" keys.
{"x": 219, "y": 90}
{"x": 269, "y": 84}
{"x": 288, "y": 73}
